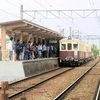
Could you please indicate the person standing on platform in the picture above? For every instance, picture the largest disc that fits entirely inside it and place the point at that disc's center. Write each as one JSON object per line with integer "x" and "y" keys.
{"x": 10, "y": 48}
{"x": 17, "y": 44}
{"x": 51, "y": 51}
{"x": 44, "y": 50}
{"x": 40, "y": 51}
{"x": 27, "y": 51}
{"x": 48, "y": 49}
{"x": 33, "y": 50}
{"x": 37, "y": 50}
{"x": 21, "y": 50}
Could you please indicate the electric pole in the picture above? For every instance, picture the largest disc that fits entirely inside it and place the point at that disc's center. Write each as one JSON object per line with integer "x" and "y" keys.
{"x": 21, "y": 12}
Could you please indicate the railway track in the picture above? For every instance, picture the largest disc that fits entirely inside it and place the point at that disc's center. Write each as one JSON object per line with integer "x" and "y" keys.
{"x": 62, "y": 95}
{"x": 18, "y": 90}
{"x": 20, "y": 93}
{"x": 30, "y": 77}
{"x": 34, "y": 85}
{"x": 97, "y": 97}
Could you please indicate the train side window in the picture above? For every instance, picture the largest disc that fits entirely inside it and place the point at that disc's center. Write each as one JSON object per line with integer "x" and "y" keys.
{"x": 63, "y": 46}
{"x": 69, "y": 46}
{"x": 75, "y": 46}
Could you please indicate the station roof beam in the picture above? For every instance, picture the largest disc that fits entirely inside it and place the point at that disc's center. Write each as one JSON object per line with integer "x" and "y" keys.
{"x": 27, "y": 27}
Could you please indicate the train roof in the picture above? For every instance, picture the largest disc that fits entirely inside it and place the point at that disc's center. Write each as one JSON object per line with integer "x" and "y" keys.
{"x": 66, "y": 39}
{"x": 77, "y": 40}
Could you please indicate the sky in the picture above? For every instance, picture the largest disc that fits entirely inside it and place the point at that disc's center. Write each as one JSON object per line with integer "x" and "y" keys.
{"x": 10, "y": 10}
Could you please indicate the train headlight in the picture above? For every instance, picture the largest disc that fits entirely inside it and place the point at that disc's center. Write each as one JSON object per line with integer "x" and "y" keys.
{"x": 66, "y": 59}
{"x": 71, "y": 59}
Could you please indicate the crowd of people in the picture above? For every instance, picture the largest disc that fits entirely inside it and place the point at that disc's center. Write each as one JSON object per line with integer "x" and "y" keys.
{"x": 30, "y": 50}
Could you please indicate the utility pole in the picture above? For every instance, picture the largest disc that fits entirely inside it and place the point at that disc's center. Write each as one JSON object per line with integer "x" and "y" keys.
{"x": 71, "y": 32}
{"x": 62, "y": 32}
{"x": 21, "y": 12}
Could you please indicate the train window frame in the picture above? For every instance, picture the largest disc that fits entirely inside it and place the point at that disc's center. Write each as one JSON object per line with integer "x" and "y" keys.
{"x": 63, "y": 46}
{"x": 75, "y": 48}
{"x": 69, "y": 46}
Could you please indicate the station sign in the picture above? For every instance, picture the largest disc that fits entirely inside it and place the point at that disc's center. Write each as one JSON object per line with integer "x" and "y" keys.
{"x": 52, "y": 41}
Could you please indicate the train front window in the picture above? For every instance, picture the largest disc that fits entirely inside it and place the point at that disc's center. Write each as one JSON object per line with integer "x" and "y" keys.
{"x": 63, "y": 46}
{"x": 75, "y": 46}
{"x": 69, "y": 46}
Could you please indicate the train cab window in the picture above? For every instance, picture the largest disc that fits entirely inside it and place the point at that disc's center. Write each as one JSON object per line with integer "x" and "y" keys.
{"x": 63, "y": 46}
{"x": 69, "y": 46}
{"x": 75, "y": 46}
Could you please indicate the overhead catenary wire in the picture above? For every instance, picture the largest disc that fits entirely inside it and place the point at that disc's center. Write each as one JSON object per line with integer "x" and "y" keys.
{"x": 12, "y": 3}
{"x": 38, "y": 12}
{"x": 9, "y": 13}
{"x": 6, "y": 11}
{"x": 50, "y": 12}
{"x": 29, "y": 5}
{"x": 55, "y": 9}
{"x": 62, "y": 13}
{"x": 93, "y": 7}
{"x": 40, "y": 4}
{"x": 31, "y": 15}
{"x": 32, "y": 7}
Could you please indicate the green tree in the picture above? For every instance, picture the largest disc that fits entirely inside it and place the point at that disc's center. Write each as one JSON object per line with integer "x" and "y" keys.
{"x": 95, "y": 50}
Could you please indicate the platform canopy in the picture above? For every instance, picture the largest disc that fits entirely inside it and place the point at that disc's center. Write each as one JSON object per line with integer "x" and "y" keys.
{"x": 30, "y": 28}
{"x": 25, "y": 31}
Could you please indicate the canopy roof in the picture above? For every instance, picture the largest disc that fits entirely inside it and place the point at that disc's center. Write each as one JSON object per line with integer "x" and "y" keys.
{"x": 27, "y": 27}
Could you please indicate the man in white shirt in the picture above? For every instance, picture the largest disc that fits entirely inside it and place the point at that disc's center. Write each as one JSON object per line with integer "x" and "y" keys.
{"x": 10, "y": 47}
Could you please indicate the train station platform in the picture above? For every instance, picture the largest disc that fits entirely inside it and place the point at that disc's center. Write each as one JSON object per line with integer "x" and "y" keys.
{"x": 14, "y": 70}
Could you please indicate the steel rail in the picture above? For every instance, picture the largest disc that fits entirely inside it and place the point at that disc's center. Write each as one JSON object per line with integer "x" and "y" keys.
{"x": 33, "y": 76}
{"x": 69, "y": 88}
{"x": 98, "y": 92}
{"x": 38, "y": 84}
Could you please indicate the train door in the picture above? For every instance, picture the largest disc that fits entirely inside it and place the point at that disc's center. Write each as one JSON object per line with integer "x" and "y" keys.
{"x": 75, "y": 47}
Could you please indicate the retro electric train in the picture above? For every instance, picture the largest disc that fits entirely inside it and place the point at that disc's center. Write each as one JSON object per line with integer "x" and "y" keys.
{"x": 74, "y": 52}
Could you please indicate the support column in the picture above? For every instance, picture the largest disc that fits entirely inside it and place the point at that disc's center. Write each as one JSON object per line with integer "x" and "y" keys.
{"x": 3, "y": 42}
{"x": 32, "y": 39}
{"x": 21, "y": 37}
{"x": 28, "y": 37}
{"x": 44, "y": 41}
{"x": 36, "y": 39}
{"x": 40, "y": 40}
